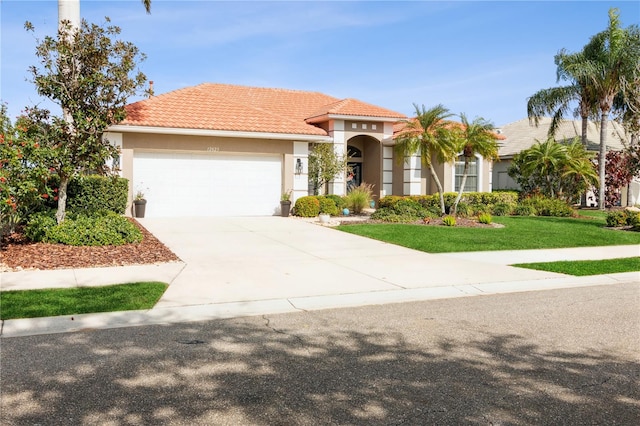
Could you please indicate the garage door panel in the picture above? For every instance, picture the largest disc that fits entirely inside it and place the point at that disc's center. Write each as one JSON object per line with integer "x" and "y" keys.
{"x": 208, "y": 185}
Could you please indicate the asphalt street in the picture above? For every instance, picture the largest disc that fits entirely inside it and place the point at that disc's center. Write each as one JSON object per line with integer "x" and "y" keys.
{"x": 567, "y": 356}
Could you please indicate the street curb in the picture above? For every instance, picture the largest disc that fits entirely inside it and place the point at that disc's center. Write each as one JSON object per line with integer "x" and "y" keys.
{"x": 181, "y": 314}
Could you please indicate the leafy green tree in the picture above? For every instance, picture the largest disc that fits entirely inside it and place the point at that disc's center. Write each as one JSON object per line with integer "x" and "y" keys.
{"x": 324, "y": 165}
{"x": 430, "y": 134}
{"x": 476, "y": 137}
{"x": 555, "y": 170}
{"x": 90, "y": 74}
{"x": 22, "y": 176}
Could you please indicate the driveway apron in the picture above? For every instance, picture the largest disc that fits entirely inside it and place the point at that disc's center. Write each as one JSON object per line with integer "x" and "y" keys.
{"x": 243, "y": 259}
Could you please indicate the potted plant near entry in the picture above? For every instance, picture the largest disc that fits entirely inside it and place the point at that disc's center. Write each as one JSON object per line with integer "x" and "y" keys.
{"x": 285, "y": 204}
{"x": 139, "y": 204}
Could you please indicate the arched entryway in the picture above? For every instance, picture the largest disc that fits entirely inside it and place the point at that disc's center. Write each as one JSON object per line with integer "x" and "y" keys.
{"x": 365, "y": 160}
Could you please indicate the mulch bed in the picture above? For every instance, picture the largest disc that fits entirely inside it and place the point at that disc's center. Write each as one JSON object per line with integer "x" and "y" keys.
{"x": 16, "y": 253}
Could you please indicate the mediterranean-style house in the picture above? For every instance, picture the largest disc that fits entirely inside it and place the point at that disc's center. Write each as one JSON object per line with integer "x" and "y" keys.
{"x": 521, "y": 135}
{"x": 224, "y": 150}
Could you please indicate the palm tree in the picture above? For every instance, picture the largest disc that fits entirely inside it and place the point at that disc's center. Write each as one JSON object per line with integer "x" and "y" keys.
{"x": 610, "y": 56}
{"x": 429, "y": 134}
{"x": 544, "y": 159}
{"x": 557, "y": 101}
{"x": 578, "y": 173}
{"x": 476, "y": 137}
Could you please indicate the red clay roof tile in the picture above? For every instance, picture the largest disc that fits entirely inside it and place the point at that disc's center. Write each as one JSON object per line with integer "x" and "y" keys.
{"x": 212, "y": 106}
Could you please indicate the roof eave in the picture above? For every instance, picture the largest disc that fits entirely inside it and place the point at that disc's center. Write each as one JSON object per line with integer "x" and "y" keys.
{"x": 327, "y": 117}
{"x": 125, "y": 128}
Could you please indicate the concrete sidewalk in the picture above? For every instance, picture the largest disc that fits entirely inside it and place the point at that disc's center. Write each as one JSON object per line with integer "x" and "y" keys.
{"x": 251, "y": 266}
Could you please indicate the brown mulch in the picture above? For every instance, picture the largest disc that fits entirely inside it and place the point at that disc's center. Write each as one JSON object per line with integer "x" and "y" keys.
{"x": 17, "y": 254}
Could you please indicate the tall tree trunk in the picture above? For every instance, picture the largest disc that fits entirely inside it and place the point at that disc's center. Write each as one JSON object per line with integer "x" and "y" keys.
{"x": 632, "y": 143}
{"x": 62, "y": 199}
{"x": 68, "y": 10}
{"x": 583, "y": 137}
{"x": 434, "y": 175}
{"x": 463, "y": 182}
{"x": 602, "y": 159}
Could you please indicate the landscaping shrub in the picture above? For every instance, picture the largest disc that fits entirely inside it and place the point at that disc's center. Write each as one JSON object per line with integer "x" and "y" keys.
{"x": 479, "y": 201}
{"x": 550, "y": 206}
{"x": 503, "y": 209}
{"x": 616, "y": 218}
{"x": 389, "y": 201}
{"x": 464, "y": 210}
{"x": 95, "y": 230}
{"x": 308, "y": 206}
{"x": 99, "y": 229}
{"x": 449, "y": 221}
{"x": 404, "y": 210}
{"x": 388, "y": 215}
{"x": 94, "y": 193}
{"x": 478, "y": 209}
{"x": 525, "y": 210}
{"x": 633, "y": 218}
{"x": 359, "y": 197}
{"x": 485, "y": 218}
{"x": 328, "y": 206}
{"x": 338, "y": 200}
{"x": 38, "y": 224}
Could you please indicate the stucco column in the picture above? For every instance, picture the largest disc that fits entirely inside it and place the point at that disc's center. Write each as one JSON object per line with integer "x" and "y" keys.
{"x": 337, "y": 131}
{"x": 412, "y": 175}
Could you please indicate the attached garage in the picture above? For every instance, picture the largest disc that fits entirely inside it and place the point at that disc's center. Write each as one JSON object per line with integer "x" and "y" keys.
{"x": 210, "y": 184}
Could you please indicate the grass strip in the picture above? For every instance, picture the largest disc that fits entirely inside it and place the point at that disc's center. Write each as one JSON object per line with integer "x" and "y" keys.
{"x": 79, "y": 300}
{"x": 518, "y": 233}
{"x": 580, "y": 268}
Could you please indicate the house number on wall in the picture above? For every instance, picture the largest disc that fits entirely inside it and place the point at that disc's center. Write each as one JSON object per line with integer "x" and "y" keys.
{"x": 213, "y": 149}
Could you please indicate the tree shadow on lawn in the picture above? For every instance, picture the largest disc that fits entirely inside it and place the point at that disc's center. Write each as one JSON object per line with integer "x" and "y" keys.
{"x": 250, "y": 371}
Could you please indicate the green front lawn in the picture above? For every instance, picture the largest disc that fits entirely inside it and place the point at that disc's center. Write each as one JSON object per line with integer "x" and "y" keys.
{"x": 519, "y": 233}
{"x": 79, "y": 300}
{"x": 580, "y": 268}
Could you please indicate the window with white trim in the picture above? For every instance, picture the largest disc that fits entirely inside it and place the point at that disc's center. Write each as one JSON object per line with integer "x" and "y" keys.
{"x": 471, "y": 184}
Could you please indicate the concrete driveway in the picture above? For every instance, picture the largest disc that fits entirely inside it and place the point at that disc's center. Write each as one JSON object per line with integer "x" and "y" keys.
{"x": 263, "y": 258}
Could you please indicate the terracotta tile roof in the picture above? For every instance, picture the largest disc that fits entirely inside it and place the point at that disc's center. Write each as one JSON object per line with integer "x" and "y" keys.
{"x": 521, "y": 135}
{"x": 353, "y": 107}
{"x": 228, "y": 107}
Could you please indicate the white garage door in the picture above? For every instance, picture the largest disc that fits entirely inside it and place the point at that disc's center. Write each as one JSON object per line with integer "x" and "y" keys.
{"x": 208, "y": 185}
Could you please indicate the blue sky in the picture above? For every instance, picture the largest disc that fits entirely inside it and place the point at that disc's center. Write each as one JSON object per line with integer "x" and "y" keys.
{"x": 482, "y": 58}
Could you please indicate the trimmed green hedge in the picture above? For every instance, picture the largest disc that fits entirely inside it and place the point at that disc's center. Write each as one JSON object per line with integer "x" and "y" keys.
{"x": 93, "y": 193}
{"x": 308, "y": 206}
{"x": 99, "y": 229}
{"x": 90, "y": 194}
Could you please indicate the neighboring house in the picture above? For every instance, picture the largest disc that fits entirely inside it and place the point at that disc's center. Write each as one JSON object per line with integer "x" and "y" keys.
{"x": 223, "y": 150}
{"x": 521, "y": 135}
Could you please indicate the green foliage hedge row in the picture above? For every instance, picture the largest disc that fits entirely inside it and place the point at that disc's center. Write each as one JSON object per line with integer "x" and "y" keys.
{"x": 313, "y": 205}
{"x": 618, "y": 218}
{"x": 469, "y": 198}
{"x": 411, "y": 208}
{"x": 92, "y": 193}
{"x": 98, "y": 229}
